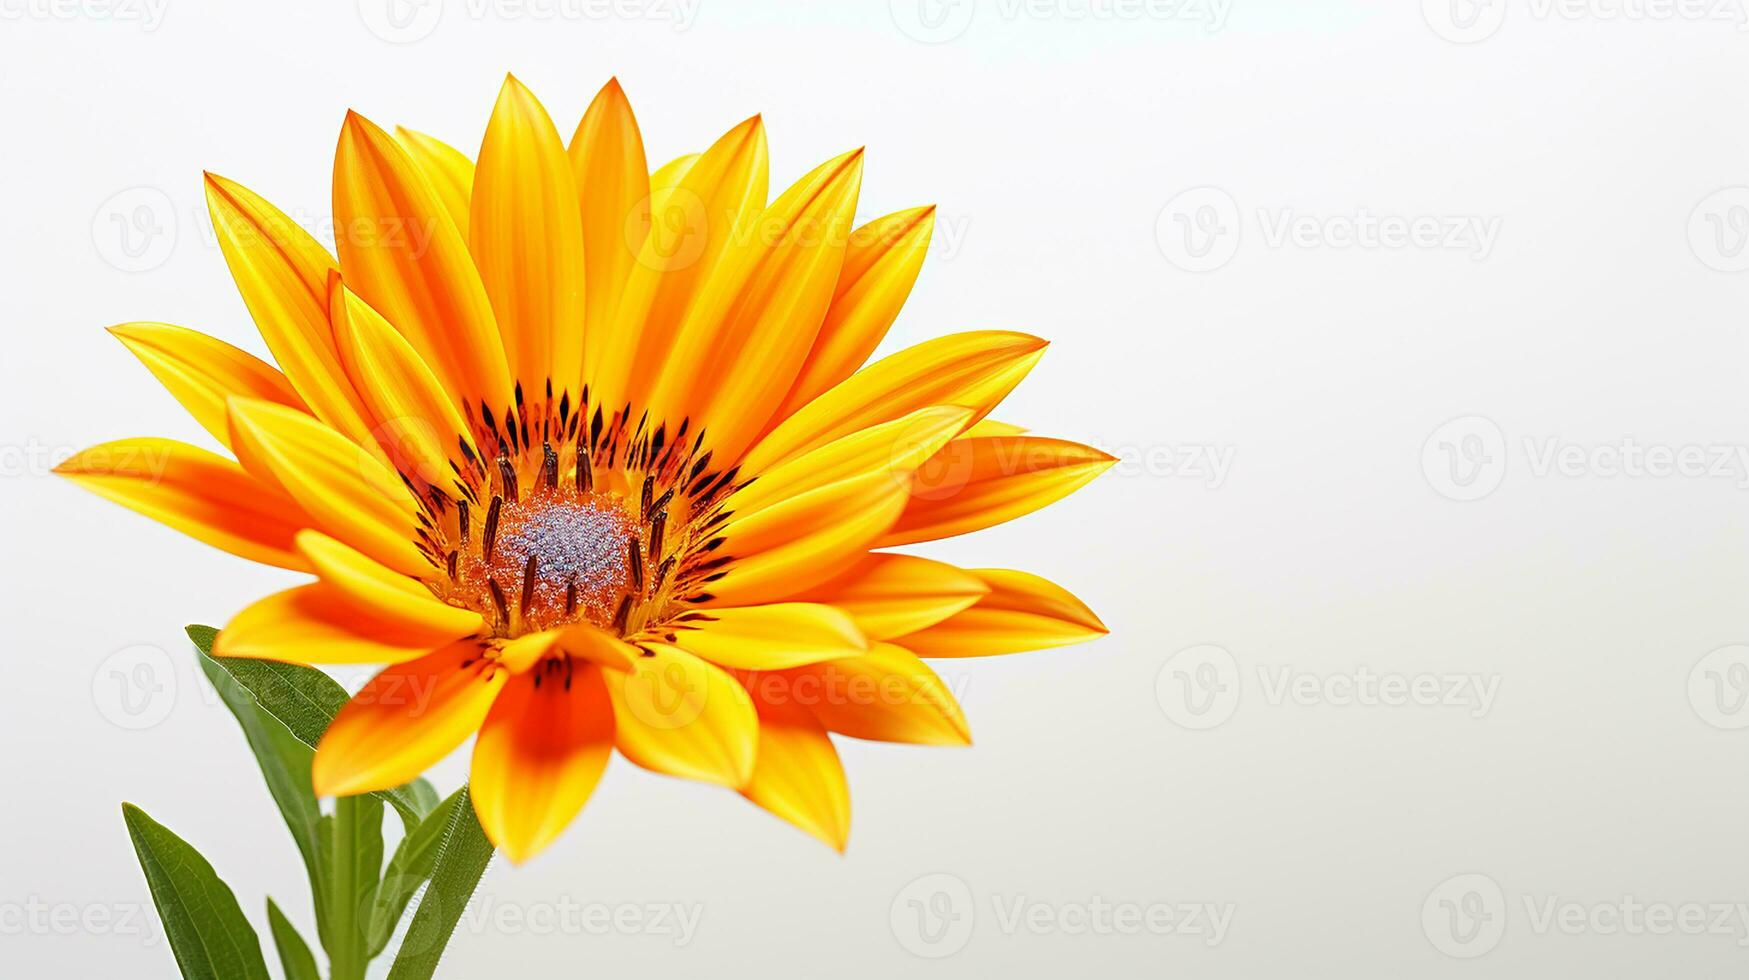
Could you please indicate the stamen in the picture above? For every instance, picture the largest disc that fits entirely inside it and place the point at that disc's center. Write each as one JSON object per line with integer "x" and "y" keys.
{"x": 549, "y": 469}
{"x": 528, "y": 573}
{"x": 507, "y": 473}
{"x": 656, "y": 529}
{"x": 490, "y": 538}
{"x": 498, "y": 602}
{"x": 635, "y": 559}
{"x": 585, "y": 473}
{"x": 623, "y": 615}
{"x": 461, "y": 516}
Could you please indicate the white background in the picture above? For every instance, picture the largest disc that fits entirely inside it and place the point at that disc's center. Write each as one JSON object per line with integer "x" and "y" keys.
{"x": 1057, "y": 139}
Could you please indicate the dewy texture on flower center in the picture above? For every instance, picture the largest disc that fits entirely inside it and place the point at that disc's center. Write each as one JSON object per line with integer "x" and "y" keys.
{"x": 586, "y": 452}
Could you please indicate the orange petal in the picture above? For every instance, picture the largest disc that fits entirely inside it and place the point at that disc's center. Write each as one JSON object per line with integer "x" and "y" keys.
{"x": 201, "y": 372}
{"x": 379, "y": 592}
{"x": 895, "y": 449}
{"x": 886, "y": 694}
{"x": 449, "y": 171}
{"x": 613, "y": 192}
{"x": 283, "y": 275}
{"x": 321, "y": 624}
{"x": 977, "y": 483}
{"x": 891, "y": 595}
{"x": 749, "y": 330}
{"x": 975, "y": 370}
{"x": 349, "y": 494}
{"x": 796, "y": 773}
{"x": 527, "y": 241}
{"x": 581, "y": 640}
{"x": 700, "y": 215}
{"x": 401, "y": 252}
{"x": 679, "y": 715}
{"x": 540, "y": 753}
{"x": 991, "y": 427}
{"x": 880, "y": 266}
{"x": 201, "y": 494}
{"x": 406, "y": 719}
{"x": 1022, "y": 612}
{"x": 787, "y": 634}
{"x": 417, "y": 423}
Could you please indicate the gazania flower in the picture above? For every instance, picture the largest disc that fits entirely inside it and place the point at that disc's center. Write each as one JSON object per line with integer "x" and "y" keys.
{"x": 581, "y": 451}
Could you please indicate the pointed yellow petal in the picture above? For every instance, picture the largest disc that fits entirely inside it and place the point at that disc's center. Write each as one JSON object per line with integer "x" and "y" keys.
{"x": 201, "y": 494}
{"x": 1022, "y": 612}
{"x": 613, "y": 191}
{"x": 344, "y": 489}
{"x": 405, "y": 720}
{"x": 880, "y": 267}
{"x": 447, "y": 169}
{"x": 990, "y": 427}
{"x": 773, "y": 637}
{"x": 201, "y": 372}
{"x": 581, "y": 640}
{"x": 895, "y": 448}
{"x": 677, "y": 714}
{"x": 385, "y": 594}
{"x": 418, "y": 426}
{"x": 321, "y": 624}
{"x": 891, "y": 595}
{"x": 797, "y": 775}
{"x": 527, "y": 241}
{"x": 539, "y": 756}
{"x": 975, "y": 370}
{"x": 977, "y": 483}
{"x": 749, "y": 330}
{"x": 283, "y": 275}
{"x": 402, "y": 253}
{"x": 709, "y": 206}
{"x": 667, "y": 177}
{"x": 886, "y": 694}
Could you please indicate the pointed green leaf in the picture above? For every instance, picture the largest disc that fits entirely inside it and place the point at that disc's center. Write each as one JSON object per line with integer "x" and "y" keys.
{"x": 206, "y": 928}
{"x": 409, "y": 868}
{"x": 295, "y": 957}
{"x": 463, "y": 854}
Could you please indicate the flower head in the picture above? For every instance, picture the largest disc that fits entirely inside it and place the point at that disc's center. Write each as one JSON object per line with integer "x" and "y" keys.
{"x": 583, "y": 453}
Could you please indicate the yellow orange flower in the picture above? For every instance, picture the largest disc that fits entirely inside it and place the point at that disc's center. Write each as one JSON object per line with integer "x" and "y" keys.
{"x": 583, "y": 453}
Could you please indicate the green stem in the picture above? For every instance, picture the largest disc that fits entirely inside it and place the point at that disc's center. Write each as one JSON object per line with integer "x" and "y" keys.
{"x": 460, "y": 864}
{"x": 348, "y": 958}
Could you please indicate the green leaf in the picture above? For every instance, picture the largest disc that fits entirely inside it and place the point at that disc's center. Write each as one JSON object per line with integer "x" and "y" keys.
{"x": 352, "y": 861}
{"x": 284, "y": 761}
{"x": 206, "y": 928}
{"x": 295, "y": 957}
{"x": 409, "y": 868}
{"x": 463, "y": 854}
{"x": 305, "y": 700}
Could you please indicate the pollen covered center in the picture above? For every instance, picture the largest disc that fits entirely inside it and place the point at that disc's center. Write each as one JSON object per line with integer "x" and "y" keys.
{"x": 581, "y": 545}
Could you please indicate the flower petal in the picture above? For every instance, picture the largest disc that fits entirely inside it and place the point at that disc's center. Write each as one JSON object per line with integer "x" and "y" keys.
{"x": 700, "y": 215}
{"x": 976, "y": 483}
{"x": 380, "y": 592}
{"x": 201, "y": 494}
{"x": 540, "y": 753}
{"x": 1022, "y": 612}
{"x": 773, "y": 637}
{"x": 447, "y": 169}
{"x": 613, "y": 192}
{"x": 891, "y": 595}
{"x": 880, "y": 267}
{"x": 976, "y": 370}
{"x": 322, "y": 624}
{"x": 527, "y": 241}
{"x": 895, "y": 449}
{"x": 283, "y": 273}
{"x": 679, "y": 715}
{"x": 402, "y": 253}
{"x": 405, "y": 719}
{"x": 349, "y": 494}
{"x": 886, "y": 695}
{"x": 797, "y": 775}
{"x": 201, "y": 372}
{"x": 747, "y": 333}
